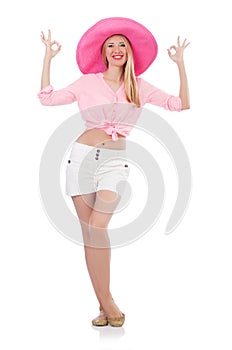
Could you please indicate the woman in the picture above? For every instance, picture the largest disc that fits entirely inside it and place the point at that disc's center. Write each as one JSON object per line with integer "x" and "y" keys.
{"x": 111, "y": 55}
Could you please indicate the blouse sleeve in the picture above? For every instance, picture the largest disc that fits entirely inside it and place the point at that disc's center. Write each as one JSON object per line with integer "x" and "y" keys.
{"x": 150, "y": 94}
{"x": 50, "y": 97}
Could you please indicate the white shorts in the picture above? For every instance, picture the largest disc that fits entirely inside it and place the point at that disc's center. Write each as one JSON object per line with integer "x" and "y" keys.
{"x": 91, "y": 169}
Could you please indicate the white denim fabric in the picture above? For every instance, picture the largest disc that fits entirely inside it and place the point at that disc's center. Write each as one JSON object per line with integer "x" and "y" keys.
{"x": 91, "y": 169}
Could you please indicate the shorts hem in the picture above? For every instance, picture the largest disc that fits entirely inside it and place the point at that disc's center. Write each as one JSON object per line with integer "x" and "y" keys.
{"x": 94, "y": 191}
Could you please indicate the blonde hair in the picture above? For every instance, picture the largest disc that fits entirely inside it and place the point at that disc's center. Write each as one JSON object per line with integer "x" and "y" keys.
{"x": 130, "y": 82}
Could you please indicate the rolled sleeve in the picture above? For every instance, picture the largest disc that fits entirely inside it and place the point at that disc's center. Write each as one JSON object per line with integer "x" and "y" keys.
{"x": 151, "y": 94}
{"x": 44, "y": 95}
{"x": 50, "y": 97}
{"x": 46, "y": 90}
{"x": 173, "y": 103}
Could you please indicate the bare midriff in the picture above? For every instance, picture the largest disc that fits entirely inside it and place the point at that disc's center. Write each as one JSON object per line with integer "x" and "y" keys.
{"x": 99, "y": 138}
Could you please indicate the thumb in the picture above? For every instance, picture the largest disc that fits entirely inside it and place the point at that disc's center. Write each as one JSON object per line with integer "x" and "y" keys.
{"x": 169, "y": 53}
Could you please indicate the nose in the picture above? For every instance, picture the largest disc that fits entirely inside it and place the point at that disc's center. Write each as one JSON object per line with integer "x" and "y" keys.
{"x": 117, "y": 48}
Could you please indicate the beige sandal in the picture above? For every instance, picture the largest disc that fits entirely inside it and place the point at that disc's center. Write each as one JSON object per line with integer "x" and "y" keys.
{"x": 116, "y": 321}
{"x": 100, "y": 320}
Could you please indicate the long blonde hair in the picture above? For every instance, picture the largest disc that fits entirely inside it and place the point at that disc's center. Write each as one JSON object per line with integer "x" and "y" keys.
{"x": 130, "y": 82}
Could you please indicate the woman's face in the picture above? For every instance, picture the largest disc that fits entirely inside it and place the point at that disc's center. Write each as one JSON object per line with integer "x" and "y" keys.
{"x": 115, "y": 51}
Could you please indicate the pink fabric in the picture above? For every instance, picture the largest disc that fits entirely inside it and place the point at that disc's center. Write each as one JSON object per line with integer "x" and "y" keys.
{"x": 105, "y": 109}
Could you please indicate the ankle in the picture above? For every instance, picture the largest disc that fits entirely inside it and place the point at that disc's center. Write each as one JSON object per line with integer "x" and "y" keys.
{"x": 105, "y": 298}
{"x": 101, "y": 308}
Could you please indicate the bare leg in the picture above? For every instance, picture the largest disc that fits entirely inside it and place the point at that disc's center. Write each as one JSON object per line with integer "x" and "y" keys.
{"x": 94, "y": 223}
{"x": 83, "y": 205}
{"x": 100, "y": 253}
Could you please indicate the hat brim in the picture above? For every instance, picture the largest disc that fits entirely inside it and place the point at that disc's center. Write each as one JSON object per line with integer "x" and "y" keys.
{"x": 144, "y": 45}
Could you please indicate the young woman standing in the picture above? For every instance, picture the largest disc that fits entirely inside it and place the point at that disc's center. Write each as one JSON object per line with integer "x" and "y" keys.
{"x": 111, "y": 55}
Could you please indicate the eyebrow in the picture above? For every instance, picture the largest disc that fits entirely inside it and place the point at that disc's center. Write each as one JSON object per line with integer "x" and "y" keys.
{"x": 112, "y": 42}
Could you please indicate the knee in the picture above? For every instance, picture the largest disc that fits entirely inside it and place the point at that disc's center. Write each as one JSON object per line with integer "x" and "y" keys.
{"x": 96, "y": 222}
{"x": 98, "y": 234}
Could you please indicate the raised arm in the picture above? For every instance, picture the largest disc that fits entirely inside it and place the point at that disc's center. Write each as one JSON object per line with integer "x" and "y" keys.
{"x": 47, "y": 95}
{"x": 178, "y": 58}
{"x": 49, "y": 54}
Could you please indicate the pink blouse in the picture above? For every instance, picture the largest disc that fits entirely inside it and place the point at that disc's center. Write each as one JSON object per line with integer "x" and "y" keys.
{"x": 105, "y": 109}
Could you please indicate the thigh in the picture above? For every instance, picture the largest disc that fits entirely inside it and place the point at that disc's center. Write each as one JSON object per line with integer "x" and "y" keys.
{"x": 84, "y": 205}
{"x": 105, "y": 204}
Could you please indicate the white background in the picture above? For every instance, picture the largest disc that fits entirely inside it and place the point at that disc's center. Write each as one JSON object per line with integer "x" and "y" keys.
{"x": 175, "y": 290}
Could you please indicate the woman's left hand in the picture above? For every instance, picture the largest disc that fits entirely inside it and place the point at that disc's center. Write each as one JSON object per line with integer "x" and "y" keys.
{"x": 177, "y": 56}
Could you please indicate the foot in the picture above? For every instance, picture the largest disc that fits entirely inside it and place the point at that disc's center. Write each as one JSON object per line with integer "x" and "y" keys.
{"x": 100, "y": 320}
{"x": 116, "y": 321}
{"x": 111, "y": 309}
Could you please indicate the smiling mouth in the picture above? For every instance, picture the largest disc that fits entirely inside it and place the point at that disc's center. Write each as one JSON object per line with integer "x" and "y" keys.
{"x": 117, "y": 57}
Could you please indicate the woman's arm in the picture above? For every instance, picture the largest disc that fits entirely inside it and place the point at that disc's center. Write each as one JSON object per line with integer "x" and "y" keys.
{"x": 47, "y": 95}
{"x": 49, "y": 54}
{"x": 178, "y": 58}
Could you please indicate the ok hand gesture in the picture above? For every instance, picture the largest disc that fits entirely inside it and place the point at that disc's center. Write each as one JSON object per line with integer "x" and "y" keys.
{"x": 177, "y": 56}
{"x": 50, "y": 52}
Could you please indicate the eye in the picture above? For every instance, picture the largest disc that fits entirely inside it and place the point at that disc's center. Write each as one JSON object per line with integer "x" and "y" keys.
{"x": 122, "y": 45}
{"x": 110, "y": 45}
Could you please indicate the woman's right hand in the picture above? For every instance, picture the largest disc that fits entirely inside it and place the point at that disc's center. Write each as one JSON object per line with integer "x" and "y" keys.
{"x": 50, "y": 52}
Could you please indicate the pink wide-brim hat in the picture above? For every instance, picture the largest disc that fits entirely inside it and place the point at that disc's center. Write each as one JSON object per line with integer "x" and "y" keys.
{"x": 89, "y": 48}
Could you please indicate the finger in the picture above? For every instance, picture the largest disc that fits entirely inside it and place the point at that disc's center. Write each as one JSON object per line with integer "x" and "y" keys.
{"x": 178, "y": 40}
{"x": 49, "y": 35}
{"x": 57, "y": 45}
{"x": 169, "y": 53}
{"x": 172, "y": 57}
{"x": 54, "y": 42}
{"x": 43, "y": 39}
{"x": 42, "y": 35}
{"x": 185, "y": 44}
{"x": 173, "y": 47}
{"x": 57, "y": 50}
